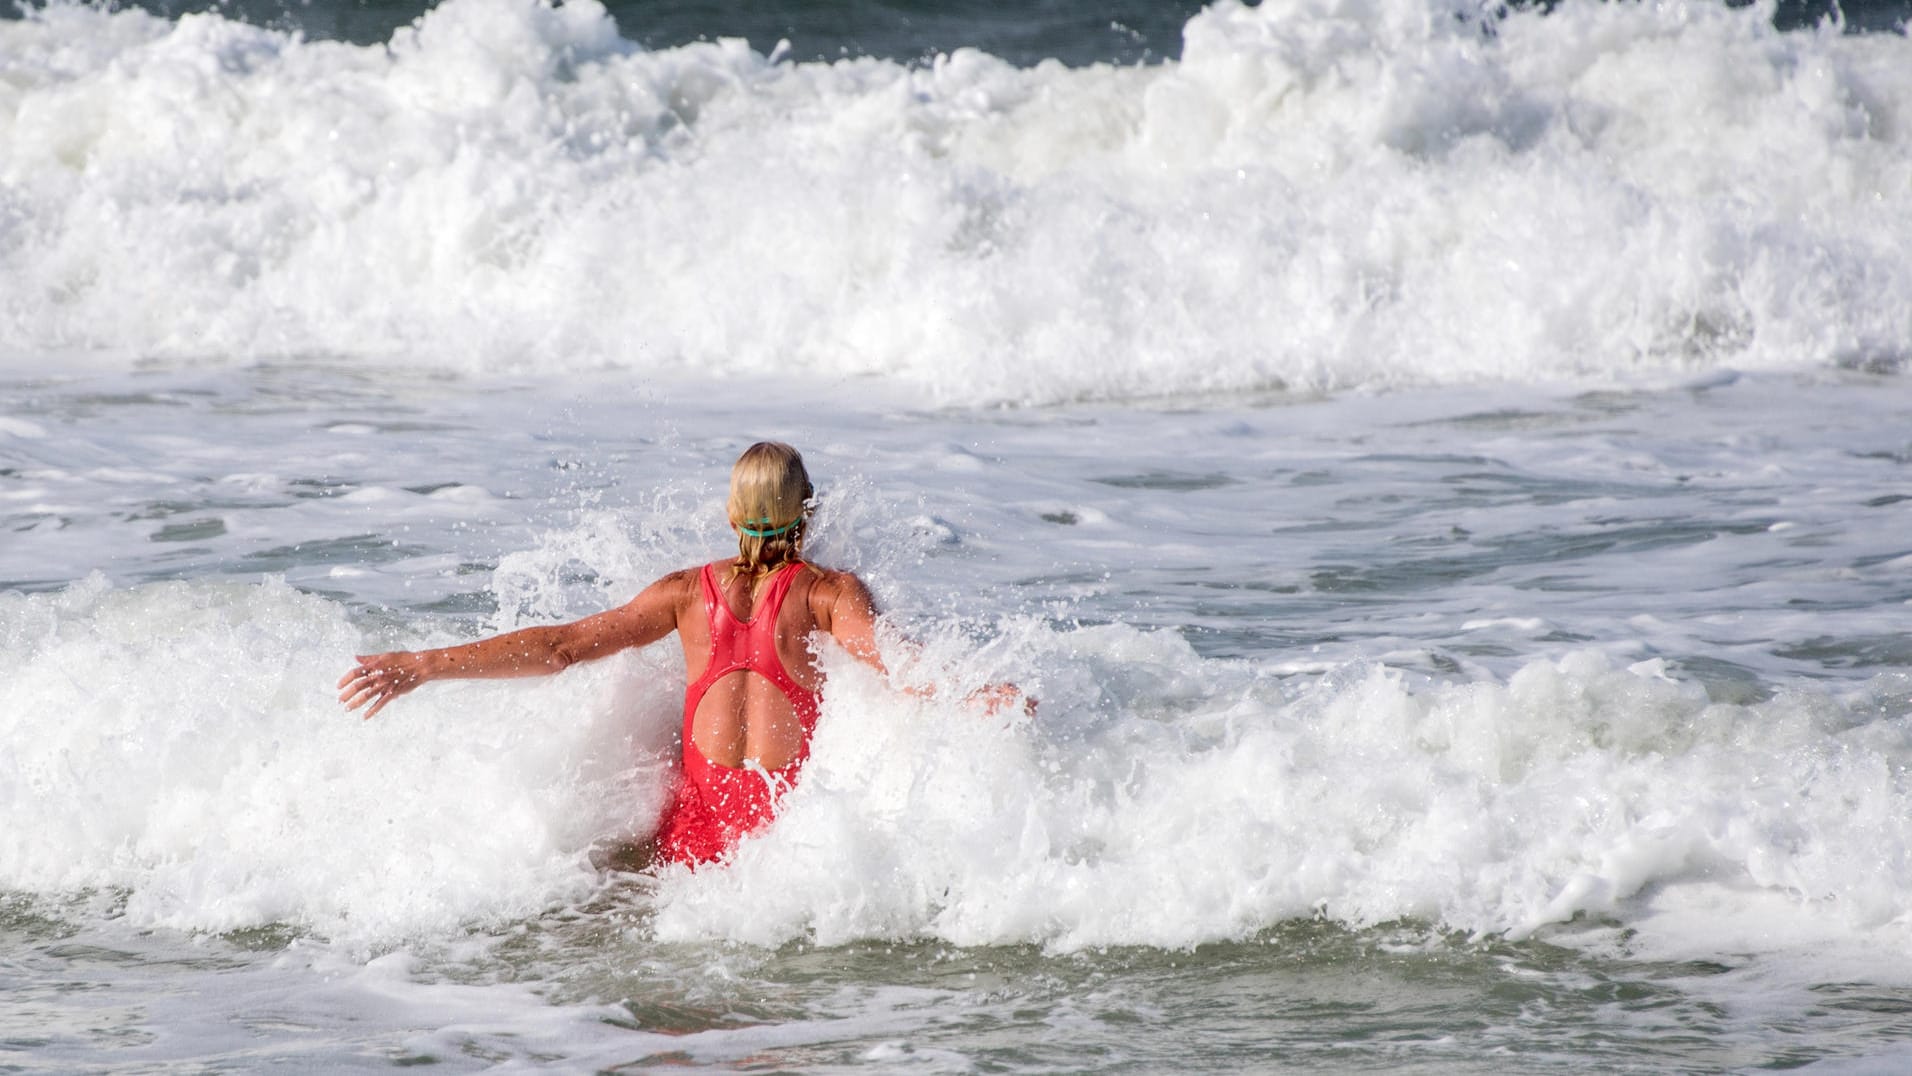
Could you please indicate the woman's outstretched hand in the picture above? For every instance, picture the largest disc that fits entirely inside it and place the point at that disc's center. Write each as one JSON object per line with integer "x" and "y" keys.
{"x": 380, "y": 678}
{"x": 995, "y": 698}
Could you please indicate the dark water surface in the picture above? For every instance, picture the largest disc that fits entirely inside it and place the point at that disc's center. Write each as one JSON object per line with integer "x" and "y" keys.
{"x": 1073, "y": 31}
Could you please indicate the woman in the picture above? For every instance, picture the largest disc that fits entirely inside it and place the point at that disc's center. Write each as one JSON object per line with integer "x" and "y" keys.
{"x": 751, "y": 699}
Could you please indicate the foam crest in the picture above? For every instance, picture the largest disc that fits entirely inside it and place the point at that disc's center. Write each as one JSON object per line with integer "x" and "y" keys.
{"x": 180, "y": 743}
{"x": 1158, "y": 799}
{"x": 1318, "y": 194}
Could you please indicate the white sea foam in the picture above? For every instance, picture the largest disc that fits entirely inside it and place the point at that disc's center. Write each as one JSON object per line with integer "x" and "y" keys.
{"x": 1488, "y": 807}
{"x": 179, "y": 742}
{"x": 1319, "y": 193}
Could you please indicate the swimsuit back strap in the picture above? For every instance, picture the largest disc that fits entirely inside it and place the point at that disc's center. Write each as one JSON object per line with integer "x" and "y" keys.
{"x": 748, "y": 644}
{"x": 763, "y": 656}
{"x": 767, "y": 610}
{"x": 713, "y": 597}
{"x": 772, "y": 605}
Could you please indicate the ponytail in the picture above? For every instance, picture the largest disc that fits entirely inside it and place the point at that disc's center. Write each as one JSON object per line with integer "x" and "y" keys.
{"x": 770, "y": 494}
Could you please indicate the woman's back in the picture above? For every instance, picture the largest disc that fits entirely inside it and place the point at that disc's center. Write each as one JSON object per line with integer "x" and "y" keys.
{"x": 758, "y": 704}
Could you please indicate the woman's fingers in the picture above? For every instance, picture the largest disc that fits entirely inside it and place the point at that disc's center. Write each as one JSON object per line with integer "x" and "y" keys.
{"x": 379, "y": 704}
{"x": 995, "y": 697}
{"x": 360, "y": 693}
{"x": 377, "y": 680}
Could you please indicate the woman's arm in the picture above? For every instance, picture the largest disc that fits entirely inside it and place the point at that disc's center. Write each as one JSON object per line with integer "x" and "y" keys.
{"x": 377, "y": 679}
{"x": 843, "y": 608}
{"x": 848, "y": 613}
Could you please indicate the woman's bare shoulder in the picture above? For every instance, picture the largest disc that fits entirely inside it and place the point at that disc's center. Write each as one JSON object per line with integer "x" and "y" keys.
{"x": 829, "y": 587}
{"x": 831, "y": 577}
{"x": 674, "y": 587}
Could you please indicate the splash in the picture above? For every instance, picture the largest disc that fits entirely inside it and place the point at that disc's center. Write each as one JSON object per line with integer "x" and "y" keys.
{"x": 179, "y": 743}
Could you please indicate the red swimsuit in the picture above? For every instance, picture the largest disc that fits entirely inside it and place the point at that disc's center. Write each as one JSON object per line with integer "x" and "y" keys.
{"x": 715, "y": 806}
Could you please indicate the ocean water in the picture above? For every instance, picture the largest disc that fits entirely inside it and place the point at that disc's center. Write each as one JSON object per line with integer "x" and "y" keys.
{"x": 1446, "y": 474}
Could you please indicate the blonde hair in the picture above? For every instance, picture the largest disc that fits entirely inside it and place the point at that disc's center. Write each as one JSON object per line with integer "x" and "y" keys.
{"x": 769, "y": 505}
